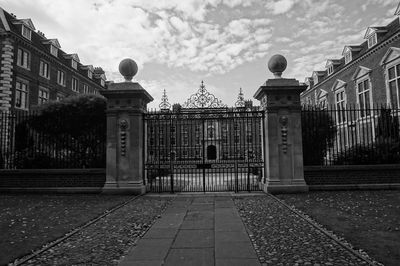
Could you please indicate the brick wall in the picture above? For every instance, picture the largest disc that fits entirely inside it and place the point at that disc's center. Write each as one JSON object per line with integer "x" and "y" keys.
{"x": 319, "y": 176}
{"x": 53, "y": 179}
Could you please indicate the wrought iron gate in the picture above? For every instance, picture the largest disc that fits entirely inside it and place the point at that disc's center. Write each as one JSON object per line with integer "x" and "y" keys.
{"x": 203, "y": 150}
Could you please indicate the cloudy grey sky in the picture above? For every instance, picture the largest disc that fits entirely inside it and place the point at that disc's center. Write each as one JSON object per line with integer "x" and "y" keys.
{"x": 226, "y": 43}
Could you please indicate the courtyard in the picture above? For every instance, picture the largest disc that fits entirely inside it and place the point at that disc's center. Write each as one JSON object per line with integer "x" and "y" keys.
{"x": 368, "y": 221}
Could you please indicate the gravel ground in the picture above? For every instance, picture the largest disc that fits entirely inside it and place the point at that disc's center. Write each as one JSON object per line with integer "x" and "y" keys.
{"x": 281, "y": 237}
{"x": 104, "y": 242}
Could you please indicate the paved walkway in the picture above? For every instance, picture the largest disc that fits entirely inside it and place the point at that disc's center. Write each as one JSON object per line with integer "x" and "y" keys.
{"x": 195, "y": 231}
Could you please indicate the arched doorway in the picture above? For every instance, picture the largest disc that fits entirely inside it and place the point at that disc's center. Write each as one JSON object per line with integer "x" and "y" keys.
{"x": 211, "y": 152}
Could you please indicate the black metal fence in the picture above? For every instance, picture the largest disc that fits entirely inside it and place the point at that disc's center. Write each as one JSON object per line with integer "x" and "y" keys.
{"x": 351, "y": 135}
{"x": 29, "y": 140}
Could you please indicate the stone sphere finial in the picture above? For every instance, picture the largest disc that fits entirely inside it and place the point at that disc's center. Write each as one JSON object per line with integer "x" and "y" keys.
{"x": 277, "y": 64}
{"x": 128, "y": 68}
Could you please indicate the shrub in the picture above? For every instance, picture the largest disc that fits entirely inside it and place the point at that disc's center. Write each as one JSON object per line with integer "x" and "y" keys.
{"x": 73, "y": 130}
{"x": 318, "y": 133}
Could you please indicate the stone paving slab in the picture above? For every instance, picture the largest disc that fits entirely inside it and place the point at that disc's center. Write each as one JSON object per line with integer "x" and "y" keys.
{"x": 196, "y": 230}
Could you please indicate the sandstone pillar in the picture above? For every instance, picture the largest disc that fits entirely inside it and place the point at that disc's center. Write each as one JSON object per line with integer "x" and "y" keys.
{"x": 126, "y": 103}
{"x": 283, "y": 150}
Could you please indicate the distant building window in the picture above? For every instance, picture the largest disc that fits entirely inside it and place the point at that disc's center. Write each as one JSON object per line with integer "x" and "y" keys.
{"x": 61, "y": 77}
{"x": 347, "y": 57}
{"x": 340, "y": 106}
{"x": 59, "y": 97}
{"x": 323, "y": 103}
{"x": 372, "y": 40}
{"x": 102, "y": 82}
{"x": 74, "y": 64}
{"x": 394, "y": 85}
{"x": 85, "y": 89}
{"x": 364, "y": 97}
{"x": 90, "y": 74}
{"x": 43, "y": 95}
{"x": 24, "y": 59}
{"x": 75, "y": 85}
{"x": 54, "y": 50}
{"x": 44, "y": 69}
{"x": 21, "y": 94}
{"x": 330, "y": 69}
{"x": 26, "y": 32}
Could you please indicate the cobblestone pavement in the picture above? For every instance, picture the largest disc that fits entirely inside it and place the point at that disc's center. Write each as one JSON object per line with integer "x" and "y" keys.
{"x": 104, "y": 242}
{"x": 281, "y": 237}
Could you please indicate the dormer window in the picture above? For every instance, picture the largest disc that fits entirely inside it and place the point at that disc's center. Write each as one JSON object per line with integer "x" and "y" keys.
{"x": 330, "y": 69}
{"x": 102, "y": 82}
{"x": 90, "y": 74}
{"x": 53, "y": 50}
{"x": 74, "y": 64}
{"x": 347, "y": 57}
{"x": 372, "y": 40}
{"x": 26, "y": 32}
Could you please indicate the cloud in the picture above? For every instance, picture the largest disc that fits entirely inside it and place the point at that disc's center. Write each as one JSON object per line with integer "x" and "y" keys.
{"x": 280, "y": 6}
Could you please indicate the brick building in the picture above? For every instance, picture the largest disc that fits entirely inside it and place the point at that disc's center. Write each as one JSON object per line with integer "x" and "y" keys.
{"x": 366, "y": 74}
{"x": 34, "y": 69}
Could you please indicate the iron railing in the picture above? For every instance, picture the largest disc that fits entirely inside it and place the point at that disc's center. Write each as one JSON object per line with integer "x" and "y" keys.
{"x": 31, "y": 141}
{"x": 210, "y": 149}
{"x": 350, "y": 135}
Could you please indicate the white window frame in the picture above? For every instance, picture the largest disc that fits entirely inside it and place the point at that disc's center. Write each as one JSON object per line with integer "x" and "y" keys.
{"x": 54, "y": 50}
{"x": 75, "y": 84}
{"x": 340, "y": 105}
{"x": 74, "y": 64}
{"x": 43, "y": 95}
{"x": 24, "y": 58}
{"x": 85, "y": 88}
{"x": 21, "y": 94}
{"x": 90, "y": 74}
{"x": 372, "y": 40}
{"x": 330, "y": 69}
{"x": 26, "y": 32}
{"x": 363, "y": 105}
{"x": 44, "y": 69}
{"x": 348, "y": 57}
{"x": 61, "y": 78}
{"x": 396, "y": 81}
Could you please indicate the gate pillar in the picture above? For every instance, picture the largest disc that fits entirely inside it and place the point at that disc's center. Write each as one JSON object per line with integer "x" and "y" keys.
{"x": 283, "y": 150}
{"x": 126, "y": 103}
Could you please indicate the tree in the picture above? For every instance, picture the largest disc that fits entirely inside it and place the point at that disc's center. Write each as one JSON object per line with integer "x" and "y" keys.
{"x": 318, "y": 133}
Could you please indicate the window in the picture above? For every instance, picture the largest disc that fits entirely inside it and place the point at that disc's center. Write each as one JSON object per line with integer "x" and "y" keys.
{"x": 44, "y": 69}
{"x": 102, "y": 82}
{"x": 21, "y": 94}
{"x": 59, "y": 97}
{"x": 394, "y": 85}
{"x": 340, "y": 106}
{"x": 24, "y": 59}
{"x": 26, "y": 32}
{"x": 330, "y": 69}
{"x": 364, "y": 97}
{"x": 347, "y": 57}
{"x": 372, "y": 40}
{"x": 74, "y": 64}
{"x": 43, "y": 95}
{"x": 53, "y": 50}
{"x": 323, "y": 103}
{"x": 85, "y": 89}
{"x": 61, "y": 77}
{"x": 90, "y": 74}
{"x": 75, "y": 85}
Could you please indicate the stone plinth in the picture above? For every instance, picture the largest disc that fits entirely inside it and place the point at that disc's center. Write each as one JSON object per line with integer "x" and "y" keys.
{"x": 280, "y": 99}
{"x": 126, "y": 104}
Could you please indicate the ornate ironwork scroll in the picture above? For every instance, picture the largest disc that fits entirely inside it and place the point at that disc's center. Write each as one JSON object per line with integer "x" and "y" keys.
{"x": 203, "y": 99}
{"x": 164, "y": 105}
{"x": 240, "y": 102}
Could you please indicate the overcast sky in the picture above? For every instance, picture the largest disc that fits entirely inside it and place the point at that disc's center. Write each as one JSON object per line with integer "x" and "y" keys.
{"x": 226, "y": 43}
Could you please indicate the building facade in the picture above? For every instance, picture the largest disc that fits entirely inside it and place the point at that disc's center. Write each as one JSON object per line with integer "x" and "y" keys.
{"x": 34, "y": 69}
{"x": 204, "y": 128}
{"x": 366, "y": 74}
